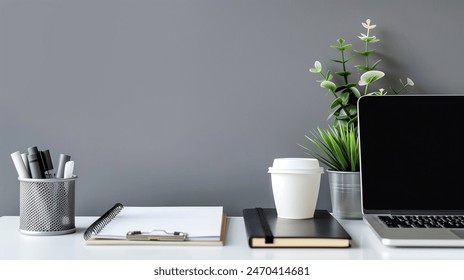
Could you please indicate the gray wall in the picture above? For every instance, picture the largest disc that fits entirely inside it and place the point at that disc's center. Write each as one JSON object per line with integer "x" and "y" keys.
{"x": 188, "y": 102}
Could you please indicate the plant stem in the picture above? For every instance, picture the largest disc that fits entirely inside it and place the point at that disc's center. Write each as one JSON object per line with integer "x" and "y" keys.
{"x": 365, "y": 89}
{"x": 366, "y": 49}
{"x": 344, "y": 67}
{"x": 346, "y": 82}
{"x": 367, "y": 56}
{"x": 403, "y": 88}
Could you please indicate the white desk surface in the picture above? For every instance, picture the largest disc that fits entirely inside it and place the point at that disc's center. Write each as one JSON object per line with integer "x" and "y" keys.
{"x": 364, "y": 245}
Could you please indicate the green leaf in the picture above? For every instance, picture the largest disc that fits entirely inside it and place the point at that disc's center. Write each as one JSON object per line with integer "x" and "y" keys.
{"x": 328, "y": 85}
{"x": 336, "y": 108}
{"x": 333, "y": 114}
{"x": 344, "y": 87}
{"x": 328, "y": 76}
{"x": 341, "y": 41}
{"x": 340, "y": 88}
{"x": 362, "y": 67}
{"x": 340, "y": 122}
{"x": 349, "y": 58}
{"x": 343, "y": 61}
{"x": 343, "y": 117}
{"x": 336, "y": 102}
{"x": 345, "y": 47}
{"x": 336, "y": 47}
{"x": 353, "y": 120}
{"x": 345, "y": 98}
{"x": 352, "y": 109}
{"x": 370, "y": 39}
{"x": 349, "y": 85}
{"x": 343, "y": 74}
{"x": 370, "y": 77}
{"x": 317, "y": 67}
{"x": 375, "y": 64}
{"x": 326, "y": 157}
{"x": 355, "y": 91}
{"x": 366, "y": 53}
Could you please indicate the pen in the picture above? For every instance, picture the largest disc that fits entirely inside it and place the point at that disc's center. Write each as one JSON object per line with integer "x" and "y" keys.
{"x": 47, "y": 160}
{"x": 61, "y": 164}
{"x": 19, "y": 164}
{"x": 26, "y": 164}
{"x": 35, "y": 166}
{"x": 38, "y": 169}
{"x": 68, "y": 169}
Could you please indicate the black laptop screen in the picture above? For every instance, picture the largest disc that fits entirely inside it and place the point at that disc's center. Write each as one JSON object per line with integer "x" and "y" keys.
{"x": 412, "y": 152}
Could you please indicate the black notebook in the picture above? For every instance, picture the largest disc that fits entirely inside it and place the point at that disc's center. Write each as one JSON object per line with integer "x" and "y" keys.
{"x": 265, "y": 229}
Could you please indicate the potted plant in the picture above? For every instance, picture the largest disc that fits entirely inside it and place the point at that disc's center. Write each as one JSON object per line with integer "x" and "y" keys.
{"x": 337, "y": 146}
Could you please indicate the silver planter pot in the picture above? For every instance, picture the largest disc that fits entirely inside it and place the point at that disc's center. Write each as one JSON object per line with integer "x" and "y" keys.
{"x": 345, "y": 193}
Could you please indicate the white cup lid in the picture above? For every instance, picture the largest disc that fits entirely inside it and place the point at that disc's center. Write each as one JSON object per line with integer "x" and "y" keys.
{"x": 296, "y": 166}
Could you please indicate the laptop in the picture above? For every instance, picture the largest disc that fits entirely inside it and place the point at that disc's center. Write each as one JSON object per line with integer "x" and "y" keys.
{"x": 412, "y": 168}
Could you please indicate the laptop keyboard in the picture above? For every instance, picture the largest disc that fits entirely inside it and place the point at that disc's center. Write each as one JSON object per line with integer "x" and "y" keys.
{"x": 423, "y": 221}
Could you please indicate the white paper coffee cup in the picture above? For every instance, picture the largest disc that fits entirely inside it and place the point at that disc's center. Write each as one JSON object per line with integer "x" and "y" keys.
{"x": 295, "y": 186}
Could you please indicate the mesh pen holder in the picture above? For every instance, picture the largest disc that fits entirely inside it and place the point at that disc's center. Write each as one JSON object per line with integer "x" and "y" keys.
{"x": 47, "y": 206}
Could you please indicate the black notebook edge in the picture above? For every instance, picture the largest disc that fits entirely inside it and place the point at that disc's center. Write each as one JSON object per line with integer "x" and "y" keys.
{"x": 248, "y": 225}
{"x": 251, "y": 219}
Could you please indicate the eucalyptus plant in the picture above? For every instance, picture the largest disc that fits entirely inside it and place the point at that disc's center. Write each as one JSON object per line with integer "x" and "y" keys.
{"x": 346, "y": 93}
{"x": 338, "y": 145}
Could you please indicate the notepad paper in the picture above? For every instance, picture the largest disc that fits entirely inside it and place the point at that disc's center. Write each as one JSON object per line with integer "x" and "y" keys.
{"x": 200, "y": 223}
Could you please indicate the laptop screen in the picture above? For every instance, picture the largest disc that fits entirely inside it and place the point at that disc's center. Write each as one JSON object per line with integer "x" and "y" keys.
{"x": 412, "y": 153}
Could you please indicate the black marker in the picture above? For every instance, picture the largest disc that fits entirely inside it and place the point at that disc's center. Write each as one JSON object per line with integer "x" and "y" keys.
{"x": 38, "y": 171}
{"x": 48, "y": 164}
{"x": 34, "y": 165}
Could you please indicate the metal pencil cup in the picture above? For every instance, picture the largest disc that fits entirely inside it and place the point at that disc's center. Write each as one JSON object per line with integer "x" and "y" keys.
{"x": 47, "y": 206}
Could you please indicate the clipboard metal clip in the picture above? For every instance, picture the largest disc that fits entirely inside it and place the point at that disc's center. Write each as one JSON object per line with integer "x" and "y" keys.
{"x": 156, "y": 235}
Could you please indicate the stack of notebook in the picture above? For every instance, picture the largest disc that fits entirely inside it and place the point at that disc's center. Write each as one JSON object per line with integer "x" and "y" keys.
{"x": 265, "y": 229}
